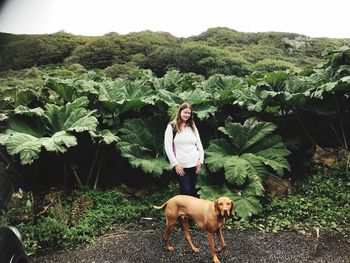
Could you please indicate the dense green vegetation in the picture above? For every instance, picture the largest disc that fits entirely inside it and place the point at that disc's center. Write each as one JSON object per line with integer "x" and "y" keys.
{"x": 218, "y": 50}
{"x": 89, "y": 115}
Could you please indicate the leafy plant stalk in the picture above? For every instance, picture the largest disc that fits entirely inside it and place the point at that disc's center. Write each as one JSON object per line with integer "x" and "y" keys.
{"x": 77, "y": 178}
{"x": 340, "y": 141}
{"x": 303, "y": 126}
{"x": 98, "y": 171}
{"x": 345, "y": 144}
{"x": 93, "y": 164}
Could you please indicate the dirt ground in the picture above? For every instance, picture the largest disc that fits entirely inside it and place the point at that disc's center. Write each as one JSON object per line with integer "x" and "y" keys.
{"x": 247, "y": 246}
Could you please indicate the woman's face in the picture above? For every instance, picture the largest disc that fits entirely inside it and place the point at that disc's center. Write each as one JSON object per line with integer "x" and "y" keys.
{"x": 185, "y": 114}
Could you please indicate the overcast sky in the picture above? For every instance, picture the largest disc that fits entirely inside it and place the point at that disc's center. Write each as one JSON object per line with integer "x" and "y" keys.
{"x": 181, "y": 18}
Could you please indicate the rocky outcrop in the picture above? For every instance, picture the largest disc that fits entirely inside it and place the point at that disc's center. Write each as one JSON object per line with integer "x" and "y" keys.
{"x": 296, "y": 44}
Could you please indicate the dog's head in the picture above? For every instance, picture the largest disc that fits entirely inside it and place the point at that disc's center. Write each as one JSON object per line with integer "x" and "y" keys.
{"x": 224, "y": 207}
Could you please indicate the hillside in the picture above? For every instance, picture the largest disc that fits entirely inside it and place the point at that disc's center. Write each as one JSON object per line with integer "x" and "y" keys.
{"x": 217, "y": 50}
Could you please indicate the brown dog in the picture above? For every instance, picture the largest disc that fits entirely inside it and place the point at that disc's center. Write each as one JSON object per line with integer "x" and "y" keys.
{"x": 208, "y": 215}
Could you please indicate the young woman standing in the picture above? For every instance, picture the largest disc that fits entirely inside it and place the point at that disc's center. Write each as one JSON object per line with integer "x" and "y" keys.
{"x": 184, "y": 150}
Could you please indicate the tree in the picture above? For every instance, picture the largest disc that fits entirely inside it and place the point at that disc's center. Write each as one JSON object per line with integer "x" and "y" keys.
{"x": 206, "y": 61}
{"x": 31, "y": 50}
{"x": 161, "y": 60}
{"x": 99, "y": 53}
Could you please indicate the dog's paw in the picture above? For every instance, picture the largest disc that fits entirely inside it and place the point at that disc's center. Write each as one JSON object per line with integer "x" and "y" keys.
{"x": 170, "y": 248}
{"x": 220, "y": 249}
{"x": 196, "y": 250}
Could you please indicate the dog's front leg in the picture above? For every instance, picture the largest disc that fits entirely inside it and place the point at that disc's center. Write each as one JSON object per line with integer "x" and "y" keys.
{"x": 212, "y": 248}
{"x": 221, "y": 238}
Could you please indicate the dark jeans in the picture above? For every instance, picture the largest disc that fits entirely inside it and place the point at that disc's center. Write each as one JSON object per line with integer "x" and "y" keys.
{"x": 188, "y": 181}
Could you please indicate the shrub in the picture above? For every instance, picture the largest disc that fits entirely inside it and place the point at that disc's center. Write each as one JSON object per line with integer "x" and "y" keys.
{"x": 270, "y": 65}
{"x": 321, "y": 201}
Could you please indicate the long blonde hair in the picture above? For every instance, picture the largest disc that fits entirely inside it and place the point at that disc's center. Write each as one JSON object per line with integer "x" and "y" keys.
{"x": 177, "y": 119}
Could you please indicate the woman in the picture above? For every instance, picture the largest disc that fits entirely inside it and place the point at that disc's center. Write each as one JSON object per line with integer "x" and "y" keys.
{"x": 184, "y": 150}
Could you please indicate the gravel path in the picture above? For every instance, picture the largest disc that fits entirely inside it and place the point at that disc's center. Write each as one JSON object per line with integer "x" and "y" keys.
{"x": 248, "y": 246}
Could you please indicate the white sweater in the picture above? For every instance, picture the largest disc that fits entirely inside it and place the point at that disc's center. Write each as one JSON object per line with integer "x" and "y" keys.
{"x": 188, "y": 148}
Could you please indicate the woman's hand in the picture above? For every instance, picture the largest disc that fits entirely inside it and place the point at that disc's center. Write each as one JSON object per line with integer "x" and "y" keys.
{"x": 198, "y": 167}
{"x": 179, "y": 169}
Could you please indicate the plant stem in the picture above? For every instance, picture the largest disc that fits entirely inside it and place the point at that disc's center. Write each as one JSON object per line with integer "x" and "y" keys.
{"x": 64, "y": 174}
{"x": 120, "y": 162}
{"x": 98, "y": 172}
{"x": 345, "y": 144}
{"x": 77, "y": 178}
{"x": 336, "y": 133}
{"x": 93, "y": 164}
{"x": 304, "y": 128}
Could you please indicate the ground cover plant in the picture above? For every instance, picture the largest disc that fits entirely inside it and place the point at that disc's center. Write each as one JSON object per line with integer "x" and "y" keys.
{"x": 67, "y": 219}
{"x": 319, "y": 203}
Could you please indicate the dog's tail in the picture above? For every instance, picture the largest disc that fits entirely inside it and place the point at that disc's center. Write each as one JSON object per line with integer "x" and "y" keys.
{"x": 160, "y": 207}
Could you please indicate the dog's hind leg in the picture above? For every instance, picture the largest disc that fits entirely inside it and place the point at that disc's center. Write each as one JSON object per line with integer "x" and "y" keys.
{"x": 186, "y": 226}
{"x": 169, "y": 228}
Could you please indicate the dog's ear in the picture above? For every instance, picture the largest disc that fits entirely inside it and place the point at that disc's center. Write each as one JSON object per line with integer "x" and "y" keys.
{"x": 232, "y": 211}
{"x": 216, "y": 208}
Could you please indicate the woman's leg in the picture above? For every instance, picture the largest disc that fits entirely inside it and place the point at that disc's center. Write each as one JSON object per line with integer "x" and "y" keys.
{"x": 187, "y": 182}
{"x": 193, "y": 180}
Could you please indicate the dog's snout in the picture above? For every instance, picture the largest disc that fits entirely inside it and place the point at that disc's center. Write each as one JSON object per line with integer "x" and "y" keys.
{"x": 225, "y": 212}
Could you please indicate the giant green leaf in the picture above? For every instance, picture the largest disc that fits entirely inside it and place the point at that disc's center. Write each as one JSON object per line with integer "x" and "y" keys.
{"x": 126, "y": 95}
{"x": 71, "y": 117}
{"x": 204, "y": 111}
{"x": 247, "y": 205}
{"x": 237, "y": 170}
{"x": 24, "y": 110}
{"x": 218, "y": 152}
{"x": 14, "y": 97}
{"x": 197, "y": 96}
{"x": 213, "y": 192}
{"x": 64, "y": 88}
{"x": 141, "y": 143}
{"x": 105, "y": 136}
{"x": 29, "y": 147}
{"x": 80, "y": 120}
